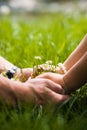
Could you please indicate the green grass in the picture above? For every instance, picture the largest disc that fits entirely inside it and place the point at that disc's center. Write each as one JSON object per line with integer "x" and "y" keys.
{"x": 53, "y": 37}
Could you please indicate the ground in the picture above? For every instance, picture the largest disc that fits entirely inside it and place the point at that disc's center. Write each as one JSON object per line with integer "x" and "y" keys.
{"x": 52, "y": 37}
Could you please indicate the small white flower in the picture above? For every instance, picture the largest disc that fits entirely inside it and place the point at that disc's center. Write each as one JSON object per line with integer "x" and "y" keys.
{"x": 37, "y": 57}
{"x": 49, "y": 62}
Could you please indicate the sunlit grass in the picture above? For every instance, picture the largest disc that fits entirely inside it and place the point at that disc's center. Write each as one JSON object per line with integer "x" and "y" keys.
{"x": 52, "y": 37}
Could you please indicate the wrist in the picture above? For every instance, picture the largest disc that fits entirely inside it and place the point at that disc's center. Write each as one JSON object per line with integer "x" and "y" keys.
{"x": 11, "y": 72}
{"x": 64, "y": 86}
{"x": 14, "y": 73}
{"x": 61, "y": 68}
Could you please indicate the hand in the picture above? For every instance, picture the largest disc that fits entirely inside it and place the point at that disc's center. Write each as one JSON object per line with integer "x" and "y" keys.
{"x": 57, "y": 78}
{"x": 24, "y": 74}
{"x": 45, "y": 91}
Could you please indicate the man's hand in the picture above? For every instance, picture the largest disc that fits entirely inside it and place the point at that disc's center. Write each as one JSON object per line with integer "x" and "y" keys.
{"x": 45, "y": 91}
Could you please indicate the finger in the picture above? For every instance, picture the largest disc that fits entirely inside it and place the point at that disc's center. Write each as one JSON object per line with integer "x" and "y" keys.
{"x": 27, "y": 72}
{"x": 45, "y": 75}
{"x": 47, "y": 83}
{"x": 54, "y": 86}
{"x": 51, "y": 76}
{"x": 58, "y": 98}
{"x": 53, "y": 97}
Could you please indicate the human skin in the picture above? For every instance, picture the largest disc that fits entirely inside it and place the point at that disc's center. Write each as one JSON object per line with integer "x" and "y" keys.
{"x": 76, "y": 69}
{"x": 75, "y": 56}
{"x": 53, "y": 85}
{"x": 21, "y": 74}
{"x": 34, "y": 91}
{"x": 68, "y": 63}
{"x": 42, "y": 91}
{"x": 73, "y": 79}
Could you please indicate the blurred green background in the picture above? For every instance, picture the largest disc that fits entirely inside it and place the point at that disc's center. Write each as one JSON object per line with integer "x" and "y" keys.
{"x": 52, "y": 30}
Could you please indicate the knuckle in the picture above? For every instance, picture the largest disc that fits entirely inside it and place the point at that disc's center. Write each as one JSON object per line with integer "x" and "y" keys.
{"x": 47, "y": 75}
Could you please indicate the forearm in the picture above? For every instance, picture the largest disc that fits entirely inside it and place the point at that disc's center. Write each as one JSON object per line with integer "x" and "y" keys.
{"x": 77, "y": 75}
{"x": 13, "y": 91}
{"x": 4, "y": 64}
{"x": 76, "y": 54}
{"x": 21, "y": 74}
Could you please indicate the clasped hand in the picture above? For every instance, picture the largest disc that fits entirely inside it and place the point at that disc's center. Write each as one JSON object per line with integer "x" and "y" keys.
{"x": 46, "y": 88}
